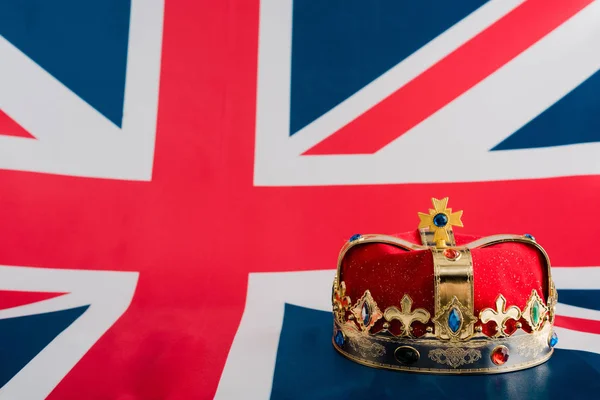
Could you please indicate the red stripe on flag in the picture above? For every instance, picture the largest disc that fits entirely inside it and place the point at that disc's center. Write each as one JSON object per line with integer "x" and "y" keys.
{"x": 10, "y": 128}
{"x": 450, "y": 77}
{"x": 578, "y": 324}
{"x": 10, "y": 298}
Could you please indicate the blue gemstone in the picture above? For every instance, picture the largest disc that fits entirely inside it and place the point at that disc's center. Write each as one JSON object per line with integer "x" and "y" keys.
{"x": 553, "y": 340}
{"x": 366, "y": 314}
{"x": 354, "y": 237}
{"x": 528, "y": 236}
{"x": 454, "y": 320}
{"x": 339, "y": 338}
{"x": 440, "y": 220}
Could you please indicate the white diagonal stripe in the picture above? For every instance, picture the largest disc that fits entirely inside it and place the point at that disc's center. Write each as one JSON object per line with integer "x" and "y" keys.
{"x": 401, "y": 74}
{"x": 465, "y": 130}
{"x": 108, "y": 293}
{"x": 72, "y": 137}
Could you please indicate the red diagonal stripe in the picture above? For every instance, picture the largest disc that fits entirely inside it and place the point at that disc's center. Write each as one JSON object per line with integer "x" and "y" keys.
{"x": 10, "y": 128}
{"x": 578, "y": 324}
{"x": 450, "y": 77}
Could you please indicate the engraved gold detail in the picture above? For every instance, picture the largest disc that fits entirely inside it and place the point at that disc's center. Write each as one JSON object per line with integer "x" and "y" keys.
{"x": 406, "y": 316}
{"x": 535, "y": 301}
{"x": 552, "y": 300}
{"x": 366, "y": 348}
{"x": 453, "y": 284}
{"x": 455, "y": 356}
{"x": 367, "y": 303}
{"x": 440, "y": 232}
{"x": 359, "y": 341}
{"x": 531, "y": 345}
{"x": 467, "y": 320}
{"x": 500, "y": 315}
{"x": 358, "y": 336}
{"x": 370, "y": 349}
{"x": 340, "y": 301}
{"x": 486, "y": 371}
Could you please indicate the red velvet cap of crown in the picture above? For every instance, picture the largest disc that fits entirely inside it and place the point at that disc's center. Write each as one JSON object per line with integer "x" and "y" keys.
{"x": 388, "y": 272}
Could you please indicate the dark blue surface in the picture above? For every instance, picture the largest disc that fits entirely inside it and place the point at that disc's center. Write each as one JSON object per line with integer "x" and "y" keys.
{"x": 22, "y": 338}
{"x": 82, "y": 43}
{"x": 308, "y": 367}
{"x": 580, "y": 298}
{"x": 340, "y": 46}
{"x": 575, "y": 118}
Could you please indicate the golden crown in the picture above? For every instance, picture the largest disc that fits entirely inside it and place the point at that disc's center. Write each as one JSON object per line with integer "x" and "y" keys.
{"x": 451, "y": 304}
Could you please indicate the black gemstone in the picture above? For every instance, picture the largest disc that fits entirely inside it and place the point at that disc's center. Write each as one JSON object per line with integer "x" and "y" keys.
{"x": 406, "y": 355}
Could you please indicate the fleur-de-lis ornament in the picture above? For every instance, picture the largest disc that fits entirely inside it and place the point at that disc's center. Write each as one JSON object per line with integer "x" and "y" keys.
{"x": 406, "y": 316}
{"x": 440, "y": 220}
{"x": 341, "y": 302}
{"x": 500, "y": 315}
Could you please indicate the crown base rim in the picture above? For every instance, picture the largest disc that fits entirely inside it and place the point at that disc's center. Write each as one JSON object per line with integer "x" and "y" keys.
{"x": 444, "y": 371}
{"x": 434, "y": 356}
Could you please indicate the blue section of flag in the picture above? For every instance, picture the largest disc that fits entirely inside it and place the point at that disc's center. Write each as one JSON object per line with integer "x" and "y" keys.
{"x": 308, "y": 367}
{"x": 339, "y": 46}
{"x": 580, "y": 298}
{"x": 83, "y": 44}
{"x": 572, "y": 119}
{"x": 22, "y": 338}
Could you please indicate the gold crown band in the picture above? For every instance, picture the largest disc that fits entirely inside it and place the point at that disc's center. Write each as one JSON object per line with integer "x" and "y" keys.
{"x": 453, "y": 284}
{"x": 432, "y": 355}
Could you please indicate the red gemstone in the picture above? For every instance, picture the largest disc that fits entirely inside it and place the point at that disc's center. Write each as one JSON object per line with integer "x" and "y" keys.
{"x": 500, "y": 355}
{"x": 451, "y": 254}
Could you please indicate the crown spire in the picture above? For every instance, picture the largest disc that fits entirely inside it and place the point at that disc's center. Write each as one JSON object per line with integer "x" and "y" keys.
{"x": 439, "y": 220}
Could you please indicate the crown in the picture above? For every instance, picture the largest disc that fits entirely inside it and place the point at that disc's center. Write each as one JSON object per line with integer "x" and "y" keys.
{"x": 453, "y": 304}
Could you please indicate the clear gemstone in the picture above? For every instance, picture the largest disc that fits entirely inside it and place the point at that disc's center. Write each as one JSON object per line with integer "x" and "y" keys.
{"x": 454, "y": 320}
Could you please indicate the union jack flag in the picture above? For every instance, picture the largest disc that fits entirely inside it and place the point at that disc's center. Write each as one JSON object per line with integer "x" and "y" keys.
{"x": 177, "y": 178}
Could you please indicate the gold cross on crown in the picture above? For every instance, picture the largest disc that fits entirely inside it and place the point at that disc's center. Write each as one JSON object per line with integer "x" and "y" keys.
{"x": 439, "y": 220}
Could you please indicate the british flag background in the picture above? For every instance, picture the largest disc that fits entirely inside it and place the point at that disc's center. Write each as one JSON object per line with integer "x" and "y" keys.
{"x": 177, "y": 178}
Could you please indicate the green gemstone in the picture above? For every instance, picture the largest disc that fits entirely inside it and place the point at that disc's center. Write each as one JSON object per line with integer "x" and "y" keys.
{"x": 535, "y": 313}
